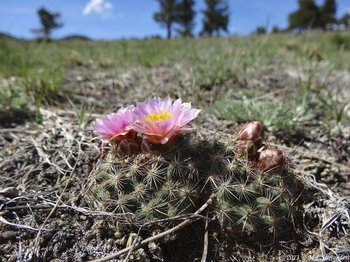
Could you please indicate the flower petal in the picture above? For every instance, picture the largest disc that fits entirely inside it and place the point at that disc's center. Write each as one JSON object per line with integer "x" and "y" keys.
{"x": 116, "y": 124}
{"x": 160, "y": 119}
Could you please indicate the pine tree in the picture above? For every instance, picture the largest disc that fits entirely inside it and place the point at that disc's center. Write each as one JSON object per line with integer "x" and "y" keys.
{"x": 184, "y": 17}
{"x": 345, "y": 20}
{"x": 167, "y": 15}
{"x": 276, "y": 29}
{"x": 260, "y": 30}
{"x": 328, "y": 13}
{"x": 307, "y": 16}
{"x": 49, "y": 22}
{"x": 216, "y": 17}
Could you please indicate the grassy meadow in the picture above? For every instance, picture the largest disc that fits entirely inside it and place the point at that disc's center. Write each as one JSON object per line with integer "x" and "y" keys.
{"x": 33, "y": 73}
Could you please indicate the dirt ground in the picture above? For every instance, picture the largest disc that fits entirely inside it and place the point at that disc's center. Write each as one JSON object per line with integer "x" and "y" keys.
{"x": 47, "y": 215}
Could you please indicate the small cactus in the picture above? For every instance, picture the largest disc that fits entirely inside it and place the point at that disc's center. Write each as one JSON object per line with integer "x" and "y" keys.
{"x": 251, "y": 196}
{"x": 255, "y": 192}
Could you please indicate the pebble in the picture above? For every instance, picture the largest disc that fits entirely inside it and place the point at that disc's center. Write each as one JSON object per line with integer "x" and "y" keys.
{"x": 64, "y": 215}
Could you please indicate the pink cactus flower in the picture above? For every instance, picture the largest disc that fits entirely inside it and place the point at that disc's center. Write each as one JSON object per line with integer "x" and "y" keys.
{"x": 116, "y": 126}
{"x": 161, "y": 119}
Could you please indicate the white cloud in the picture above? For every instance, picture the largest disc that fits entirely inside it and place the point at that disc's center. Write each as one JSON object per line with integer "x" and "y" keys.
{"x": 97, "y": 6}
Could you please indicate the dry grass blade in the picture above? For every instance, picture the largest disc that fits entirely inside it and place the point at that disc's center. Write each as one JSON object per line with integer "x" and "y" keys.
{"x": 205, "y": 242}
{"x": 4, "y": 221}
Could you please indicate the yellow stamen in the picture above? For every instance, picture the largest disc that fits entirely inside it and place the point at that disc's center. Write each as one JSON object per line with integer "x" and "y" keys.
{"x": 161, "y": 116}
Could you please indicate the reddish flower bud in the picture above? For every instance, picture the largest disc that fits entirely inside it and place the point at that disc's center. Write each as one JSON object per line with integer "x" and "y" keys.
{"x": 271, "y": 160}
{"x": 246, "y": 148}
{"x": 127, "y": 147}
{"x": 148, "y": 146}
{"x": 252, "y": 131}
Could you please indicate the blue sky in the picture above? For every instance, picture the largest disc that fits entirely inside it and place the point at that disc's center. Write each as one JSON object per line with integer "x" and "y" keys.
{"x": 112, "y": 19}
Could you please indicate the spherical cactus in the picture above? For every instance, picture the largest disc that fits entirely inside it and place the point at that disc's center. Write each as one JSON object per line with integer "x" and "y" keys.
{"x": 151, "y": 179}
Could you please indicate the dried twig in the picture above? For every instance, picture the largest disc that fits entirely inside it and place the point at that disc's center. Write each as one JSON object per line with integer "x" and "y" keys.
{"x": 4, "y": 221}
{"x": 85, "y": 211}
{"x": 160, "y": 235}
{"x": 132, "y": 248}
{"x": 205, "y": 242}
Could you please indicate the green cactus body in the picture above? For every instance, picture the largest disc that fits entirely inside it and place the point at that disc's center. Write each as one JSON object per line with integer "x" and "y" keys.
{"x": 178, "y": 179}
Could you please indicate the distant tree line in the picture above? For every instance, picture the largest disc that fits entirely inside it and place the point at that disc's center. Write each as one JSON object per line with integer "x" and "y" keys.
{"x": 179, "y": 15}
{"x": 311, "y": 16}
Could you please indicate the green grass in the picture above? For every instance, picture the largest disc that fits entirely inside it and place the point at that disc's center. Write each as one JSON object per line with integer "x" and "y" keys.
{"x": 12, "y": 102}
{"x": 291, "y": 113}
{"x": 11, "y": 98}
{"x": 341, "y": 40}
{"x": 275, "y": 115}
{"x": 40, "y": 68}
